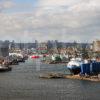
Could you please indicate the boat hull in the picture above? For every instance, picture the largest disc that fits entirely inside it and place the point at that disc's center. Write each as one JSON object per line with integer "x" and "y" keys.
{"x": 4, "y": 69}
{"x": 35, "y": 57}
{"x": 75, "y": 70}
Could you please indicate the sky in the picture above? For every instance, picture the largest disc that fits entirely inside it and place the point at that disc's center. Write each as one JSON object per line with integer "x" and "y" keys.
{"x": 42, "y": 20}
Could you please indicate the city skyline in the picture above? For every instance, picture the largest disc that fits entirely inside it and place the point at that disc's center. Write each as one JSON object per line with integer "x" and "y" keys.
{"x": 42, "y": 20}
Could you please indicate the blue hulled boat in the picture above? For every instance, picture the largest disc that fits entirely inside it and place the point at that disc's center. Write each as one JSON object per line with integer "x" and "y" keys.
{"x": 78, "y": 66}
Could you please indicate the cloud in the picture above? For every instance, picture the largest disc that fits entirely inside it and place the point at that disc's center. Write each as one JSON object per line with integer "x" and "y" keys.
{"x": 5, "y": 4}
{"x": 79, "y": 18}
{"x": 65, "y": 20}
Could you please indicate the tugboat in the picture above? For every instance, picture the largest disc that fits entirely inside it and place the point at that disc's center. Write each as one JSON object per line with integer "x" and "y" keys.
{"x": 74, "y": 65}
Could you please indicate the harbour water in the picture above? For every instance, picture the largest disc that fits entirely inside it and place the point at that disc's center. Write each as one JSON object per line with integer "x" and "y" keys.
{"x": 23, "y": 83}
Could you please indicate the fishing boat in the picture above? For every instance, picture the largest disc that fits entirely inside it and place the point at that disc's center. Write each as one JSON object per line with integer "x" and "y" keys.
{"x": 74, "y": 65}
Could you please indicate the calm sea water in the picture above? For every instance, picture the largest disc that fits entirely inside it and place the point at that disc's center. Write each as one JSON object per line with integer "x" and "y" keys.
{"x": 23, "y": 83}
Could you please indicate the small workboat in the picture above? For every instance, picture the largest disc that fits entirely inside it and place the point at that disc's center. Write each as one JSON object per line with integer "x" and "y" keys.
{"x": 5, "y": 68}
{"x": 74, "y": 65}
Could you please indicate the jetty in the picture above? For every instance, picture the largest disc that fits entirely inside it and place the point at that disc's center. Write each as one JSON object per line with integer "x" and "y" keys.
{"x": 95, "y": 78}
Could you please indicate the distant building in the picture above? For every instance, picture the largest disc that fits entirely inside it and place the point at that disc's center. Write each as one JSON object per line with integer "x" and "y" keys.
{"x": 12, "y": 45}
{"x": 96, "y": 46}
{"x": 4, "y": 49}
{"x": 42, "y": 47}
{"x": 36, "y": 44}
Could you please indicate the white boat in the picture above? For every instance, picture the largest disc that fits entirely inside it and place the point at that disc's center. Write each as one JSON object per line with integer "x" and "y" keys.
{"x": 74, "y": 65}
